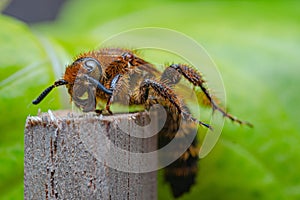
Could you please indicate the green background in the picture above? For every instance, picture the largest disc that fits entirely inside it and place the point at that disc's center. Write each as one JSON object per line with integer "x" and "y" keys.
{"x": 254, "y": 44}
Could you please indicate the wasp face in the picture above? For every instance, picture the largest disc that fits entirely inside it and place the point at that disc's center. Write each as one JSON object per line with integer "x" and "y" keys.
{"x": 79, "y": 75}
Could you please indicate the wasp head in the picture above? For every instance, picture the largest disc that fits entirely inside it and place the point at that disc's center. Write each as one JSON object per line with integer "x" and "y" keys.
{"x": 79, "y": 87}
{"x": 82, "y": 67}
{"x": 76, "y": 79}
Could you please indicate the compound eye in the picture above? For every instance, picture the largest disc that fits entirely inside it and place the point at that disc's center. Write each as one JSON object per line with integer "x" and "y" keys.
{"x": 91, "y": 65}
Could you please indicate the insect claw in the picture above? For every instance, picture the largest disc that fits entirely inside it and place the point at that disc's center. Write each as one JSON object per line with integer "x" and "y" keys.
{"x": 109, "y": 111}
{"x": 188, "y": 117}
{"x": 248, "y": 124}
{"x": 98, "y": 111}
{"x": 206, "y": 125}
{"x": 235, "y": 119}
{"x": 107, "y": 107}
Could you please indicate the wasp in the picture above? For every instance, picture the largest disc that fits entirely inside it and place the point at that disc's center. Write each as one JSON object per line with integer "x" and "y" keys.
{"x": 119, "y": 75}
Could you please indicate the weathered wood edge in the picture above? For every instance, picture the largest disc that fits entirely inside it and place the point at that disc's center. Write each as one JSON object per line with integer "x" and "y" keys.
{"x": 59, "y": 166}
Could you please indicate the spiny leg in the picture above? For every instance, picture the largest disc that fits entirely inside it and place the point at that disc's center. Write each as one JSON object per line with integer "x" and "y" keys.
{"x": 170, "y": 76}
{"x": 164, "y": 91}
{"x": 113, "y": 86}
{"x": 197, "y": 80}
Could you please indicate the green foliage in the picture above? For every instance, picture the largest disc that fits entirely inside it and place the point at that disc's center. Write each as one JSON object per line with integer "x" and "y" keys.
{"x": 255, "y": 45}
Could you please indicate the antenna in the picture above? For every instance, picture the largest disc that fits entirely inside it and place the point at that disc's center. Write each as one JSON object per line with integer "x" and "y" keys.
{"x": 48, "y": 90}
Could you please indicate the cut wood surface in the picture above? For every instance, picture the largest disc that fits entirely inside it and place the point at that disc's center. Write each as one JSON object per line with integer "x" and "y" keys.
{"x": 60, "y": 163}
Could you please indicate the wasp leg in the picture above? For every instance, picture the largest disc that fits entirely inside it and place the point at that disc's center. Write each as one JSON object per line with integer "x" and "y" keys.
{"x": 197, "y": 80}
{"x": 170, "y": 76}
{"x": 98, "y": 111}
{"x": 164, "y": 91}
{"x": 108, "y": 103}
{"x": 113, "y": 86}
{"x": 180, "y": 174}
{"x": 101, "y": 87}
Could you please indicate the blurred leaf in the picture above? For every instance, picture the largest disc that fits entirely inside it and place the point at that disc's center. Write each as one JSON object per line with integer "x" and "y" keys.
{"x": 25, "y": 70}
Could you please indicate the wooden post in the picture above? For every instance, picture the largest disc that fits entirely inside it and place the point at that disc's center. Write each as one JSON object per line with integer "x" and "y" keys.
{"x": 60, "y": 164}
